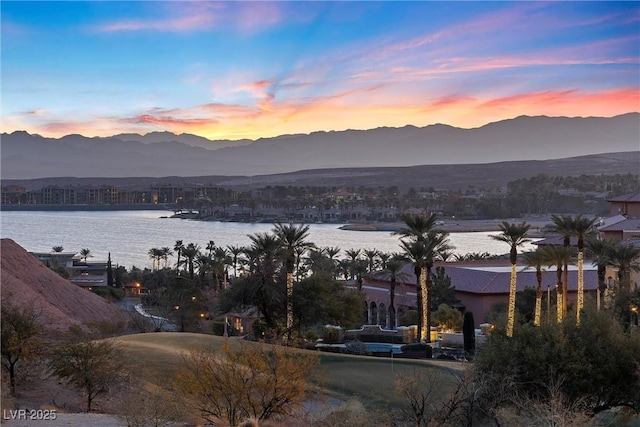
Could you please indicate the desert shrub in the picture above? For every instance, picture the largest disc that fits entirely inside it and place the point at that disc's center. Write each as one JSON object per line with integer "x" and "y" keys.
{"x": 311, "y": 335}
{"x": 22, "y": 337}
{"x": 109, "y": 292}
{"x": 330, "y": 335}
{"x": 447, "y": 318}
{"x": 257, "y": 381}
{"x": 598, "y": 363}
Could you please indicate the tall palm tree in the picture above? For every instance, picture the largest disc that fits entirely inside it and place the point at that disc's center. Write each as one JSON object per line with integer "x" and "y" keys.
{"x": 559, "y": 257}
{"x": 625, "y": 257}
{"x": 204, "y": 264}
{"x": 219, "y": 264}
{"x": 57, "y": 249}
{"x": 165, "y": 253}
{"x": 416, "y": 253}
{"x": 421, "y": 244}
{"x": 178, "y": 247}
{"x": 563, "y": 225}
{"x": 235, "y": 252}
{"x": 292, "y": 237}
{"x": 384, "y": 258}
{"x": 600, "y": 252}
{"x": 211, "y": 246}
{"x": 536, "y": 259}
{"x": 394, "y": 271}
{"x": 436, "y": 244}
{"x": 371, "y": 255}
{"x": 332, "y": 252}
{"x": 416, "y": 227}
{"x": 262, "y": 254}
{"x": 154, "y": 254}
{"x": 514, "y": 235}
{"x": 353, "y": 256}
{"x": 582, "y": 227}
{"x": 190, "y": 252}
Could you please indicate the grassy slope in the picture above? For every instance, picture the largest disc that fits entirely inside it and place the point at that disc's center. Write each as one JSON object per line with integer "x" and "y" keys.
{"x": 156, "y": 356}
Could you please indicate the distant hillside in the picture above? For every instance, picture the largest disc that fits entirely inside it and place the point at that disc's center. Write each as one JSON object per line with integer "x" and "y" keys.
{"x": 445, "y": 177}
{"x": 28, "y": 282}
{"x": 26, "y": 156}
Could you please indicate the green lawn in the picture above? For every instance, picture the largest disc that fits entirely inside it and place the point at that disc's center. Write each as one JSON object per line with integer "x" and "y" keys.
{"x": 156, "y": 356}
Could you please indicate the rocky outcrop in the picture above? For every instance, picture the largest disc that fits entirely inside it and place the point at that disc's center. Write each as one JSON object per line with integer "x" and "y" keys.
{"x": 28, "y": 282}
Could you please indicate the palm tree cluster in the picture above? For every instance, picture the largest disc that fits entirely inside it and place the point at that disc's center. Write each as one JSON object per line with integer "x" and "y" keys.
{"x": 159, "y": 254}
{"x": 422, "y": 245}
{"x": 578, "y": 234}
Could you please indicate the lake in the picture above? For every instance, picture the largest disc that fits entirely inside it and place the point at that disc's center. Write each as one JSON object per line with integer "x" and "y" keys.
{"x": 128, "y": 235}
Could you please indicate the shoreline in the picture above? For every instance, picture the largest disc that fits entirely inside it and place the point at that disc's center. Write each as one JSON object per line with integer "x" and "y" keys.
{"x": 459, "y": 226}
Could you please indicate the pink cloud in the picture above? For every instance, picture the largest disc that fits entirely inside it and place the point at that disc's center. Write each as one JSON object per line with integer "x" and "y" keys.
{"x": 204, "y": 15}
{"x": 253, "y": 16}
{"x": 180, "y": 24}
{"x": 563, "y": 103}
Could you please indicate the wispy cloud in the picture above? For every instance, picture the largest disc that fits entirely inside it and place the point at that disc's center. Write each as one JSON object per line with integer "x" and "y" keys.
{"x": 181, "y": 24}
{"x": 203, "y": 16}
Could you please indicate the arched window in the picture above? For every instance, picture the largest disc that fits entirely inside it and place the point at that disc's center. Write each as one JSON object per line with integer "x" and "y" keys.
{"x": 373, "y": 313}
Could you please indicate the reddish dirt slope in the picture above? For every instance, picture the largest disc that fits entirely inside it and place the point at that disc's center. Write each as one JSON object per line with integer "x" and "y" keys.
{"x": 27, "y": 281}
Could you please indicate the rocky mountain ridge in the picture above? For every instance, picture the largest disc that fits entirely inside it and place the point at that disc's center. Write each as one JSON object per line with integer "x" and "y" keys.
{"x": 26, "y": 156}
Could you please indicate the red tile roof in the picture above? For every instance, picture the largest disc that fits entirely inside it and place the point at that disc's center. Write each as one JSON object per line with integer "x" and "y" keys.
{"x": 630, "y": 197}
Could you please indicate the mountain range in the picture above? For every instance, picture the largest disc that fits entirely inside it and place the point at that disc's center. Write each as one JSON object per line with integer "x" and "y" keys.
{"x": 161, "y": 154}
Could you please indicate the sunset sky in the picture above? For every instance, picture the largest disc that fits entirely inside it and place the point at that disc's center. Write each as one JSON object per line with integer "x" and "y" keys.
{"x": 232, "y": 70}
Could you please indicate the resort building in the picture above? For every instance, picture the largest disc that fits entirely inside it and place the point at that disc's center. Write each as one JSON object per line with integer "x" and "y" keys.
{"x": 478, "y": 286}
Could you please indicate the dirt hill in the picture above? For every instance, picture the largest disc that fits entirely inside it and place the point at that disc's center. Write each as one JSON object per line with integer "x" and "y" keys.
{"x": 27, "y": 281}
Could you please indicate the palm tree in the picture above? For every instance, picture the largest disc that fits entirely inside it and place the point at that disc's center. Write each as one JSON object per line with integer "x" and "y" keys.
{"x": 262, "y": 253}
{"x": 154, "y": 254}
{"x": 165, "y": 253}
{"x": 57, "y": 249}
{"x": 436, "y": 244}
{"x": 563, "y": 225}
{"x": 416, "y": 253}
{"x": 514, "y": 235}
{"x": 371, "y": 255}
{"x": 427, "y": 243}
{"x": 190, "y": 252}
{"x": 332, "y": 252}
{"x": 559, "y": 256}
{"x": 384, "y": 258}
{"x": 536, "y": 259}
{"x": 624, "y": 257}
{"x": 178, "y": 247}
{"x": 600, "y": 250}
{"x": 394, "y": 270}
{"x": 204, "y": 265}
{"x": 219, "y": 263}
{"x": 417, "y": 226}
{"x": 582, "y": 227}
{"x": 211, "y": 246}
{"x": 235, "y": 252}
{"x": 354, "y": 256}
{"x": 85, "y": 253}
{"x": 359, "y": 269}
{"x": 292, "y": 237}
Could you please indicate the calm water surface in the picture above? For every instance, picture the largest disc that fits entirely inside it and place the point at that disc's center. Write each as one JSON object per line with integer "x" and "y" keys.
{"x": 129, "y": 235}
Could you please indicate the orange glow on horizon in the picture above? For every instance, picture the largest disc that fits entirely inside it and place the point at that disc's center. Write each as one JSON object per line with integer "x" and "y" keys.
{"x": 272, "y": 118}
